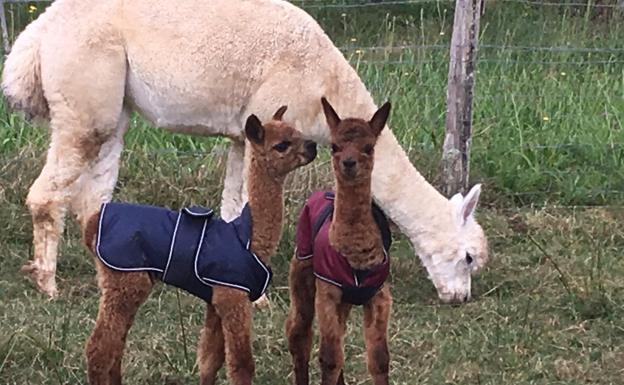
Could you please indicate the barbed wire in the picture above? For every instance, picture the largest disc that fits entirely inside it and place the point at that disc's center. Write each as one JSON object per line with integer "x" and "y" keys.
{"x": 315, "y": 4}
{"x": 555, "y": 207}
{"x": 490, "y": 60}
{"x": 364, "y": 5}
{"x": 563, "y": 4}
{"x": 592, "y": 192}
{"x": 557, "y": 49}
{"x": 571, "y": 145}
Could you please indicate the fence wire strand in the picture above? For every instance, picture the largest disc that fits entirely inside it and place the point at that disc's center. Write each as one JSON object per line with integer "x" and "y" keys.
{"x": 500, "y": 47}
{"x": 315, "y": 4}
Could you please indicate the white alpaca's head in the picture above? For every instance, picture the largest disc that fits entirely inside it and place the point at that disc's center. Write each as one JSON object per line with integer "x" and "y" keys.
{"x": 455, "y": 255}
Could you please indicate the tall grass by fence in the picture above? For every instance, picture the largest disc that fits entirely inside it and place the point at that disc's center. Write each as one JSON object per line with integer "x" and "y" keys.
{"x": 548, "y": 100}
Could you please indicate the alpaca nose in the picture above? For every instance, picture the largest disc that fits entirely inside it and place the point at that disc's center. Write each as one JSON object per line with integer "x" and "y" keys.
{"x": 310, "y": 147}
{"x": 348, "y": 163}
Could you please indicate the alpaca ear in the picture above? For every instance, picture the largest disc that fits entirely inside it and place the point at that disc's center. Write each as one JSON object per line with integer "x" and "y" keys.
{"x": 330, "y": 115}
{"x": 379, "y": 119}
{"x": 280, "y": 113}
{"x": 254, "y": 130}
{"x": 466, "y": 206}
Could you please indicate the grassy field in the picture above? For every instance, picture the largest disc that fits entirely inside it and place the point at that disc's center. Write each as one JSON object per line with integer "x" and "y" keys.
{"x": 548, "y": 133}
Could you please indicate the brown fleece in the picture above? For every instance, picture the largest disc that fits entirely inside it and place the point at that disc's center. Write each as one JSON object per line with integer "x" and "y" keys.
{"x": 302, "y": 287}
{"x": 353, "y": 233}
{"x": 226, "y": 336}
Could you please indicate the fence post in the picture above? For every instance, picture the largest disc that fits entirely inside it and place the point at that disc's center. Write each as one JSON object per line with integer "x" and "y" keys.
{"x": 461, "y": 77}
{"x": 5, "y": 32}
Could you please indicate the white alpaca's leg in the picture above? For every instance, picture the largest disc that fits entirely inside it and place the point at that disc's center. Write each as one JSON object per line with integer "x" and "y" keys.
{"x": 246, "y": 160}
{"x": 49, "y": 197}
{"x": 96, "y": 185}
{"x": 86, "y": 108}
{"x": 231, "y": 198}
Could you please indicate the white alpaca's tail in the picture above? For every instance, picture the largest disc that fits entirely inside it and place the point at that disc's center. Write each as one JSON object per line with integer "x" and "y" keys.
{"x": 21, "y": 76}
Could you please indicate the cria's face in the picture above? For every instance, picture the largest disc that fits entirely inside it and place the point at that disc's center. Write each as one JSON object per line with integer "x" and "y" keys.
{"x": 353, "y": 142}
{"x": 284, "y": 148}
{"x": 276, "y": 144}
{"x": 451, "y": 265}
{"x": 353, "y": 150}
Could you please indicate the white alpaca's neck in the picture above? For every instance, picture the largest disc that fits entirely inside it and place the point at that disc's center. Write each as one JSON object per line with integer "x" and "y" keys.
{"x": 421, "y": 212}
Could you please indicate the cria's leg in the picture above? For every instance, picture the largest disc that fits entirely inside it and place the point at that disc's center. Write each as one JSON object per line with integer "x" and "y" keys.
{"x": 211, "y": 350}
{"x": 332, "y": 320}
{"x": 115, "y": 372}
{"x": 376, "y": 315}
{"x": 85, "y": 107}
{"x": 234, "y": 309}
{"x": 96, "y": 185}
{"x": 301, "y": 282}
{"x": 231, "y": 198}
{"x": 122, "y": 295}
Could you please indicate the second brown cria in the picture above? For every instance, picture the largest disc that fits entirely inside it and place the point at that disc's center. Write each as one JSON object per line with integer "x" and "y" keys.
{"x": 276, "y": 149}
{"x": 341, "y": 258}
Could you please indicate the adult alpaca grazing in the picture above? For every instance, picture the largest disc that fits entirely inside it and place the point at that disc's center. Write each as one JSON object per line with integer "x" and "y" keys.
{"x": 201, "y": 67}
{"x": 342, "y": 258}
{"x": 222, "y": 263}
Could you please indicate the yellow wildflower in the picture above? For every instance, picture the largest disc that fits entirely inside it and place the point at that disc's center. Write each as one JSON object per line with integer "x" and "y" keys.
{"x": 546, "y": 118}
{"x": 32, "y": 8}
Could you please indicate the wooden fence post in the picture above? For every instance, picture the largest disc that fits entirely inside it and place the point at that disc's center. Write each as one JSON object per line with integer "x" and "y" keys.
{"x": 461, "y": 78}
{"x": 5, "y": 32}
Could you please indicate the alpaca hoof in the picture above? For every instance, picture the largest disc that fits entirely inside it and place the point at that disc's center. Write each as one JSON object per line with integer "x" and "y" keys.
{"x": 45, "y": 280}
{"x": 262, "y": 302}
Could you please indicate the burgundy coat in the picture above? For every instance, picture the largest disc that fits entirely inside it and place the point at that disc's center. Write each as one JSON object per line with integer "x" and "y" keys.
{"x": 358, "y": 286}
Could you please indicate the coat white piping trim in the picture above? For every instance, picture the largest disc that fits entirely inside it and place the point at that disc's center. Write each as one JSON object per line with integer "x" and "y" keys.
{"x": 211, "y": 282}
{"x": 305, "y": 257}
{"x": 173, "y": 238}
{"x": 322, "y": 278}
{"x": 268, "y": 275}
{"x": 197, "y": 214}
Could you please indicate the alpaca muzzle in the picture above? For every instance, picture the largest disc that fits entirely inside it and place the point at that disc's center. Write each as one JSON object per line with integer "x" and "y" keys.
{"x": 310, "y": 150}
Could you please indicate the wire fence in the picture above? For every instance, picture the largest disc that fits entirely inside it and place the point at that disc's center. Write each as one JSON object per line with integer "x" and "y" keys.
{"x": 606, "y": 54}
{"x": 311, "y": 4}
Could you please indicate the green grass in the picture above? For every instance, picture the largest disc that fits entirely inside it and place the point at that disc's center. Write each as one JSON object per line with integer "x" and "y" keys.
{"x": 548, "y": 309}
{"x": 531, "y": 322}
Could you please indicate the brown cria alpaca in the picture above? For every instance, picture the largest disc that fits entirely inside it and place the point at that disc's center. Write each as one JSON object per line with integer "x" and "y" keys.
{"x": 276, "y": 149}
{"x": 354, "y": 234}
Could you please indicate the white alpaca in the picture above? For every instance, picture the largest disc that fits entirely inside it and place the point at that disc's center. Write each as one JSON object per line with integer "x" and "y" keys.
{"x": 201, "y": 67}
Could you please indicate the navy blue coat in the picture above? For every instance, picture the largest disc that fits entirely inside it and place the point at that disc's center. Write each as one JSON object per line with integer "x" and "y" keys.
{"x": 191, "y": 249}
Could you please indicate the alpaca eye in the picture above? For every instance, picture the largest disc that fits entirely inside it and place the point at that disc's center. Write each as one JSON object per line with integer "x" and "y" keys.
{"x": 368, "y": 149}
{"x": 335, "y": 148}
{"x": 282, "y": 146}
{"x": 469, "y": 258}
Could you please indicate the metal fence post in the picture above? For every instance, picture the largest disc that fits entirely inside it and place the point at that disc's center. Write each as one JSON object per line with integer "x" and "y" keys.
{"x": 461, "y": 77}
